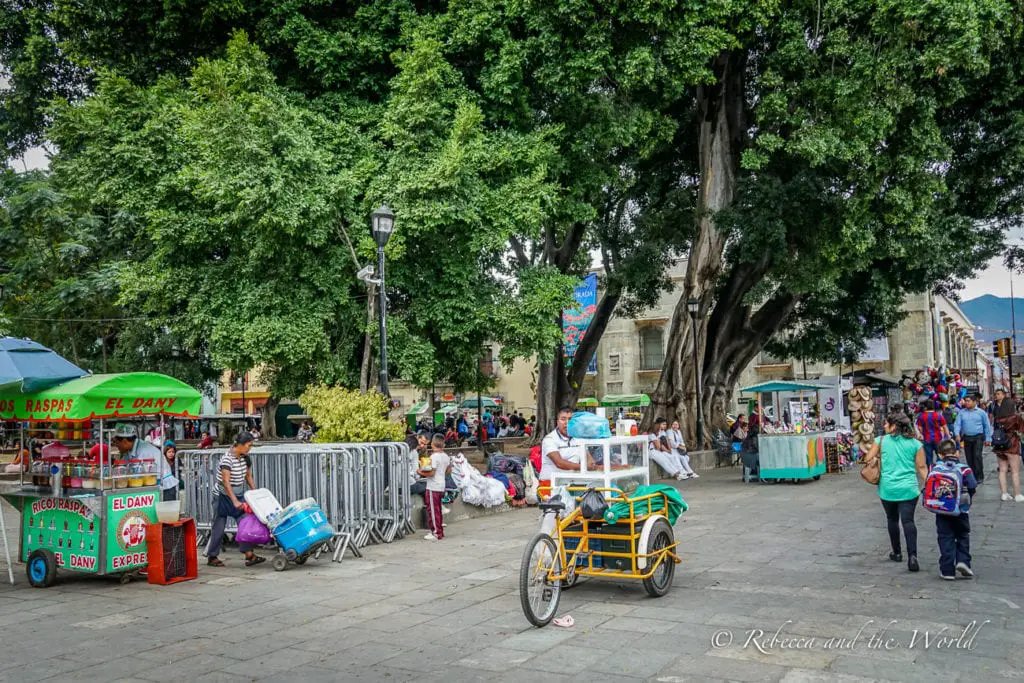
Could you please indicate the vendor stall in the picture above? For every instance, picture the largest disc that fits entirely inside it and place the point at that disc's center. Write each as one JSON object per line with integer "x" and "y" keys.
{"x": 621, "y": 463}
{"x": 794, "y": 451}
{"x": 85, "y": 510}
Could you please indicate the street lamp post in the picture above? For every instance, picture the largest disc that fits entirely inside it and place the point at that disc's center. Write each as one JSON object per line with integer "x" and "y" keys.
{"x": 383, "y": 223}
{"x": 693, "y": 305}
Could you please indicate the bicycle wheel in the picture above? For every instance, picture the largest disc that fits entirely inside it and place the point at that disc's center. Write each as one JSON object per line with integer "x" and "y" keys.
{"x": 538, "y": 595}
{"x": 658, "y": 583}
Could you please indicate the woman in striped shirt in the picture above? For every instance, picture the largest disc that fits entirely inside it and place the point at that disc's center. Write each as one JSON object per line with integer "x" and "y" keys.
{"x": 235, "y": 472}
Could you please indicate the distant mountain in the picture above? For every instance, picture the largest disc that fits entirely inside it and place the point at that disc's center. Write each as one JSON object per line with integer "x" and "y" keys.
{"x": 993, "y": 313}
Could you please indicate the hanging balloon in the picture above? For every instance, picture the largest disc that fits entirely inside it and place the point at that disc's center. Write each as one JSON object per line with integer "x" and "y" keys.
{"x": 944, "y": 398}
{"x": 941, "y": 388}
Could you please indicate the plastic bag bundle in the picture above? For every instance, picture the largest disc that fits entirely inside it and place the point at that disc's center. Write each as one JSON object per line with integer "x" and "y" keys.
{"x": 589, "y": 426}
{"x": 252, "y": 530}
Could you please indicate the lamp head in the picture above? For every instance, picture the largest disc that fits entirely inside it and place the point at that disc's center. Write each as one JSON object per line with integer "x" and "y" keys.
{"x": 383, "y": 224}
{"x": 693, "y": 305}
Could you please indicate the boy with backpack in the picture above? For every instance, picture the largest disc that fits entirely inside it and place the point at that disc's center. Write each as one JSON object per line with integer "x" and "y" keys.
{"x": 948, "y": 490}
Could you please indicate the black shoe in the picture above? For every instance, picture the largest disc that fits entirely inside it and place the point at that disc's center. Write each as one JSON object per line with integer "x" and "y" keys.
{"x": 896, "y": 557}
{"x": 912, "y": 564}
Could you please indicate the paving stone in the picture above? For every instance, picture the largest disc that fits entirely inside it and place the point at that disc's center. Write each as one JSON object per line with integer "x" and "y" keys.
{"x": 755, "y": 557}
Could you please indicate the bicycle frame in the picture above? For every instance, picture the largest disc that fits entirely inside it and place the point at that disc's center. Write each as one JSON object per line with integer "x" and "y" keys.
{"x": 568, "y": 560}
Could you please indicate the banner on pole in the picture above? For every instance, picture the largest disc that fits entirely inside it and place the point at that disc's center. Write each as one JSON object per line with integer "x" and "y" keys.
{"x": 575, "y": 321}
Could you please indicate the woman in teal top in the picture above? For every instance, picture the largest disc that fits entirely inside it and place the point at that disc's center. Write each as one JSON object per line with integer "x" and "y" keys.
{"x": 903, "y": 473}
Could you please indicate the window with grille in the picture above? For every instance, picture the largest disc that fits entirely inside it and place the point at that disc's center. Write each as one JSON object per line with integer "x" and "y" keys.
{"x": 652, "y": 348}
{"x": 765, "y": 358}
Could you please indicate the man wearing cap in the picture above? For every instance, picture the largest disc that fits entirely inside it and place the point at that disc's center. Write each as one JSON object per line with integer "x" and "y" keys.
{"x": 127, "y": 441}
{"x": 235, "y": 472}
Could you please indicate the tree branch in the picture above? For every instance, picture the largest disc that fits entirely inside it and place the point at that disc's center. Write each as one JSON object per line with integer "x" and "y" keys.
{"x": 570, "y": 245}
{"x": 517, "y": 249}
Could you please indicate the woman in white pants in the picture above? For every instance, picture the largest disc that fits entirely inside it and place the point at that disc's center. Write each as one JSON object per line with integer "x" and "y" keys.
{"x": 676, "y": 443}
{"x": 668, "y": 458}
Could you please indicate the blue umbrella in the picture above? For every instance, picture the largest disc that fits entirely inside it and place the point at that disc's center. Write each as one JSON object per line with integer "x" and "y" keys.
{"x": 27, "y": 367}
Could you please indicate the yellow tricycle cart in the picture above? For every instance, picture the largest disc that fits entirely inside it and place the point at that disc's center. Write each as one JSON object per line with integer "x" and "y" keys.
{"x": 632, "y": 540}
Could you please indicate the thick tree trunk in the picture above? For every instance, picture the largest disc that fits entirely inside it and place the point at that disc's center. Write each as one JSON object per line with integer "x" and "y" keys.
{"x": 270, "y": 418}
{"x": 366, "y": 369}
{"x": 553, "y": 392}
{"x": 722, "y": 130}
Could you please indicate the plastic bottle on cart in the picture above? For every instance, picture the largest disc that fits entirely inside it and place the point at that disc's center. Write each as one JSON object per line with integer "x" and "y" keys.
{"x": 120, "y": 473}
{"x": 135, "y": 478}
{"x": 149, "y": 470}
{"x": 57, "y": 480}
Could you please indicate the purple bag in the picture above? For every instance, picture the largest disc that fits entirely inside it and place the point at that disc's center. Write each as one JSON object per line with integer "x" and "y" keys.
{"x": 252, "y": 530}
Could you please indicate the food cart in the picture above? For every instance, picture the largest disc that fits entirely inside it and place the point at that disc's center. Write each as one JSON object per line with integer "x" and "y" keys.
{"x": 790, "y": 453}
{"x": 622, "y": 464}
{"x": 89, "y": 513}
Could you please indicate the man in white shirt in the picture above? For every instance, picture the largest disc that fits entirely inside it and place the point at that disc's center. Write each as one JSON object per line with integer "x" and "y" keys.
{"x": 662, "y": 453}
{"x": 552, "y": 458}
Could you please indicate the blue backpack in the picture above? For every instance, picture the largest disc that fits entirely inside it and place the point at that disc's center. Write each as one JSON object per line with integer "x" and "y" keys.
{"x": 943, "y": 488}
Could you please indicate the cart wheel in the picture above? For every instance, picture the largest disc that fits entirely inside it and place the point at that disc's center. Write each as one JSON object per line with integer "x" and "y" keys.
{"x": 817, "y": 477}
{"x": 291, "y": 555}
{"x": 125, "y": 578}
{"x": 658, "y": 583}
{"x": 280, "y": 562}
{"x": 301, "y": 559}
{"x": 538, "y": 595}
{"x": 41, "y": 568}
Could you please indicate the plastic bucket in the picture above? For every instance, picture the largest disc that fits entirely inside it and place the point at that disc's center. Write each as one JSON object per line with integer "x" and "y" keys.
{"x": 303, "y": 529}
{"x": 168, "y": 512}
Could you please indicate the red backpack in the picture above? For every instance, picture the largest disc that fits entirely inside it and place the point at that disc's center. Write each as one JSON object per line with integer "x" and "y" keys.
{"x": 535, "y": 459}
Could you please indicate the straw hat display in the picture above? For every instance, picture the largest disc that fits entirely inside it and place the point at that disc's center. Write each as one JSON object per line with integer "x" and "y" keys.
{"x": 862, "y": 417}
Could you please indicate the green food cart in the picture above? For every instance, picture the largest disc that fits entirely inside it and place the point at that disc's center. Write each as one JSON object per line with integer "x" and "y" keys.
{"x": 98, "y": 527}
{"x": 796, "y": 455}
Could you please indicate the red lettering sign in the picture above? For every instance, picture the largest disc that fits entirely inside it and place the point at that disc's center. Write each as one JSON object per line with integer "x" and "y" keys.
{"x": 130, "y": 560}
{"x": 82, "y": 562}
{"x": 111, "y": 402}
{"x": 137, "y": 403}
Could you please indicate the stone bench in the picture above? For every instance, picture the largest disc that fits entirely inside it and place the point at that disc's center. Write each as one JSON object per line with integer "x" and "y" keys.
{"x": 699, "y": 462}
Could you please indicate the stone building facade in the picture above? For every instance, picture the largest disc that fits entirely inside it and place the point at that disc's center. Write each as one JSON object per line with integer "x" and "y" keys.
{"x": 934, "y": 332}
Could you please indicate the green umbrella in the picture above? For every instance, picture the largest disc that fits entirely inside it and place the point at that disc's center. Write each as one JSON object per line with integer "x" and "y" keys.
{"x": 486, "y": 403}
{"x": 129, "y": 394}
{"x": 626, "y": 400}
{"x": 589, "y": 402}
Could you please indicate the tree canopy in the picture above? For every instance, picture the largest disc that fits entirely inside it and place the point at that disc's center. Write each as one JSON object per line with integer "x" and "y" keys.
{"x": 213, "y": 163}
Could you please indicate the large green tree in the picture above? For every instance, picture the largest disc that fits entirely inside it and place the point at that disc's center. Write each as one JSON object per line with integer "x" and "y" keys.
{"x": 831, "y": 180}
{"x": 814, "y": 161}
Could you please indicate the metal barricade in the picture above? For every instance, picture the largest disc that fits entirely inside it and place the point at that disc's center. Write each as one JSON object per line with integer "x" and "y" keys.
{"x": 362, "y": 488}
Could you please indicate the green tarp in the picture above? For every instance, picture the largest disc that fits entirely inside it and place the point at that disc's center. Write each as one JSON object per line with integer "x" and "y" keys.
{"x": 129, "y": 394}
{"x": 779, "y": 385}
{"x": 625, "y": 400}
{"x": 676, "y": 504}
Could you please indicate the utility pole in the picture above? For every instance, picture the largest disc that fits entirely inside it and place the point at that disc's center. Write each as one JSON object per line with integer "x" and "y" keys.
{"x": 1013, "y": 337}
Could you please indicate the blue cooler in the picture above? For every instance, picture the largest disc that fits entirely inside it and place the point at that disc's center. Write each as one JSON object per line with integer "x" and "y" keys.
{"x": 303, "y": 528}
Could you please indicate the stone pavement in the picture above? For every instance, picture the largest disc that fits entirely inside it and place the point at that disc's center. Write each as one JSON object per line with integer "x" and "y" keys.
{"x": 807, "y": 561}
